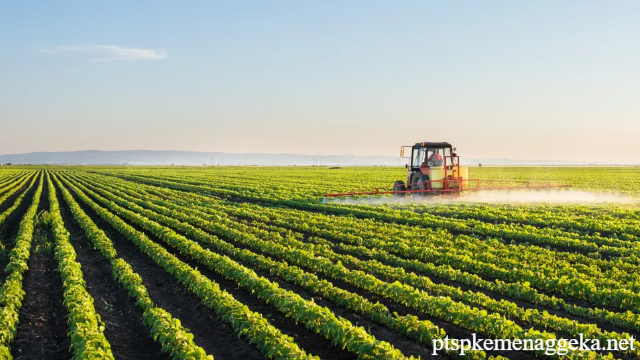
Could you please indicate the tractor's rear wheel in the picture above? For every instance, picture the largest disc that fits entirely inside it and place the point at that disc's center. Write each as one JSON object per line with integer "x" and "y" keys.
{"x": 399, "y": 186}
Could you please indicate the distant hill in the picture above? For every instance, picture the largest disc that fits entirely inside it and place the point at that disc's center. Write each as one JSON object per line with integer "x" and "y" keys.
{"x": 150, "y": 157}
{"x": 164, "y": 157}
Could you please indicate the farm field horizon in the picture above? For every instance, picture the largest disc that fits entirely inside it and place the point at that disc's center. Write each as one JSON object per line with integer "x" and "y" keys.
{"x": 224, "y": 262}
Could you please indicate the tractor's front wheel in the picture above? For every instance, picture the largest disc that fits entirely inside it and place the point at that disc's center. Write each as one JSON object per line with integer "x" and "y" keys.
{"x": 399, "y": 186}
{"x": 418, "y": 182}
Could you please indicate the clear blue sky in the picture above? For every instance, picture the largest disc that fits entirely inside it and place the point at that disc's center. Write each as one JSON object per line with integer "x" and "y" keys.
{"x": 516, "y": 79}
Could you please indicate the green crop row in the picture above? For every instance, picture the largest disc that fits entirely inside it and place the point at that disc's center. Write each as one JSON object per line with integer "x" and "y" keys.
{"x": 421, "y": 330}
{"x": 618, "y": 280}
{"x": 626, "y": 320}
{"x": 321, "y": 320}
{"x": 457, "y": 313}
{"x": 11, "y": 292}
{"x": 10, "y": 183}
{"x": 529, "y": 234}
{"x": 582, "y": 225}
{"x": 567, "y": 284}
{"x": 175, "y": 339}
{"x": 507, "y": 308}
{"x": 253, "y": 326}
{"x": 5, "y": 214}
{"x": 86, "y": 329}
{"x": 16, "y": 187}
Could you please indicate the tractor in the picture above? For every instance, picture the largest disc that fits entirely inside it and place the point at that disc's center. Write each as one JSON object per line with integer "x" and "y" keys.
{"x": 434, "y": 169}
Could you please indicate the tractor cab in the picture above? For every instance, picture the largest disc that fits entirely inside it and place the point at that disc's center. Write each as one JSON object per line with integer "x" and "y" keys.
{"x": 426, "y": 155}
{"x": 432, "y": 167}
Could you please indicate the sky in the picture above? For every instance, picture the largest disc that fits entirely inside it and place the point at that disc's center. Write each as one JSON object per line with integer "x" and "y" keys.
{"x": 496, "y": 78}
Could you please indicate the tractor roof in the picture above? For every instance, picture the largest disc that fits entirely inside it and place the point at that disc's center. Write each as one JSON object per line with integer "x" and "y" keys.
{"x": 433, "y": 145}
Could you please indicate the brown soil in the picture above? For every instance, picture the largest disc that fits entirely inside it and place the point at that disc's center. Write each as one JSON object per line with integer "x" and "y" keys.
{"x": 9, "y": 228}
{"x": 42, "y": 327}
{"x": 407, "y": 346}
{"x": 214, "y": 335}
{"x": 452, "y": 330}
{"x": 124, "y": 329}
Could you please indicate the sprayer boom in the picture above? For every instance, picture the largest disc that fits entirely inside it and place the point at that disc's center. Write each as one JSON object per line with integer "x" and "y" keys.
{"x": 469, "y": 185}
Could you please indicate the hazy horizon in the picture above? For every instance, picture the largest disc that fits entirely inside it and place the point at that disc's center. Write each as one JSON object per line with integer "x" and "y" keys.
{"x": 177, "y": 157}
{"x": 497, "y": 79}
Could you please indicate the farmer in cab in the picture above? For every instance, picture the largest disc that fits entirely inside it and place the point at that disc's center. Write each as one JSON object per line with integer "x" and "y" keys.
{"x": 435, "y": 159}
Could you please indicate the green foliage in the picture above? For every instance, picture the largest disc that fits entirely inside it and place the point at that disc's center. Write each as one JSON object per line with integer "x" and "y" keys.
{"x": 253, "y": 326}
{"x": 86, "y": 329}
{"x": 175, "y": 339}
{"x": 11, "y": 293}
{"x": 503, "y": 271}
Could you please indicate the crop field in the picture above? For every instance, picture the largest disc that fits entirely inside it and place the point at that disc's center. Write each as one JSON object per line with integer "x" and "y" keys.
{"x": 252, "y": 262}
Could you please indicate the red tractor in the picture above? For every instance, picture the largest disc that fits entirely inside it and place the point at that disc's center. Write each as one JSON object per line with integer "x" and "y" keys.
{"x": 434, "y": 169}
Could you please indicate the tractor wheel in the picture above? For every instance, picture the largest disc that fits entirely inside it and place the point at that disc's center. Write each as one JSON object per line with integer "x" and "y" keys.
{"x": 399, "y": 186}
{"x": 418, "y": 182}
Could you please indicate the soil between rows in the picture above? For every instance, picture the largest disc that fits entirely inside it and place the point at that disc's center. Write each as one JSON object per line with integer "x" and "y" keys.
{"x": 42, "y": 326}
{"x": 508, "y": 222}
{"x": 9, "y": 229}
{"x": 214, "y": 335}
{"x": 306, "y": 339}
{"x": 520, "y": 303}
{"x": 9, "y": 201}
{"x": 452, "y": 330}
{"x": 555, "y": 247}
{"x": 124, "y": 328}
{"x": 524, "y": 304}
{"x": 7, "y": 180}
{"x": 568, "y": 300}
{"x": 408, "y": 346}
